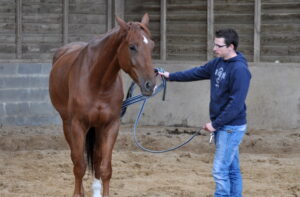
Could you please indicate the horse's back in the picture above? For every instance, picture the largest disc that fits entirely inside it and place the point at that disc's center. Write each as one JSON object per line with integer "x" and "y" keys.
{"x": 67, "y": 49}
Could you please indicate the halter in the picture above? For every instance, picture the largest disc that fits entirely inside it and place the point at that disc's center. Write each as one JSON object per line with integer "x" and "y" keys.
{"x": 132, "y": 100}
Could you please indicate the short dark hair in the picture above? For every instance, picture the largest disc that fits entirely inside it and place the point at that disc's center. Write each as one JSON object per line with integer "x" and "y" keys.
{"x": 230, "y": 36}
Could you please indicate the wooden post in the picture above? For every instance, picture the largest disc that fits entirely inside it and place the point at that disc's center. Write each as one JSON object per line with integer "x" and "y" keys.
{"x": 163, "y": 30}
{"x": 210, "y": 28}
{"x": 66, "y": 22}
{"x": 109, "y": 15}
{"x": 257, "y": 30}
{"x": 19, "y": 29}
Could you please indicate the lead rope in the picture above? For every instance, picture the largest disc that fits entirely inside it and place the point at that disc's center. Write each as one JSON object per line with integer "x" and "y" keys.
{"x": 131, "y": 100}
{"x": 149, "y": 150}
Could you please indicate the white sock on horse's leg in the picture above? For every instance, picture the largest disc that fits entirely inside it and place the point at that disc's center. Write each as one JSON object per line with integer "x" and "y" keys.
{"x": 97, "y": 188}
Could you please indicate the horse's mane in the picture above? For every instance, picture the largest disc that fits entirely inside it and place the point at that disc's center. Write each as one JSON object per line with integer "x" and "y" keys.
{"x": 132, "y": 25}
{"x": 105, "y": 35}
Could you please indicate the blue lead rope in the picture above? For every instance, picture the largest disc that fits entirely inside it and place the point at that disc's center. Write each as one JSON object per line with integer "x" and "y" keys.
{"x": 132, "y": 100}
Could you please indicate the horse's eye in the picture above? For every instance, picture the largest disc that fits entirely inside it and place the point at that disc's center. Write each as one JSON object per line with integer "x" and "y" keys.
{"x": 132, "y": 48}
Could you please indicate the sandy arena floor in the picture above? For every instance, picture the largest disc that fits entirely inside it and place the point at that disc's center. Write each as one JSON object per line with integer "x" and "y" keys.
{"x": 35, "y": 161}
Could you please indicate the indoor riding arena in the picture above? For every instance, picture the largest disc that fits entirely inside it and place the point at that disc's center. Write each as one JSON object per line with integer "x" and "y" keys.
{"x": 34, "y": 155}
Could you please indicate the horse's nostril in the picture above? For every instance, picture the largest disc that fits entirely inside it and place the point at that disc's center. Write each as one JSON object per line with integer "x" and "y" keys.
{"x": 148, "y": 85}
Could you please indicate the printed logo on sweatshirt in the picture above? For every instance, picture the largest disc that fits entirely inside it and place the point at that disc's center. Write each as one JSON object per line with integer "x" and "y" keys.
{"x": 220, "y": 75}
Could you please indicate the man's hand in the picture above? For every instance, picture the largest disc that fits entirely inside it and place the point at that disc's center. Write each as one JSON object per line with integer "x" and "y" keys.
{"x": 165, "y": 74}
{"x": 209, "y": 127}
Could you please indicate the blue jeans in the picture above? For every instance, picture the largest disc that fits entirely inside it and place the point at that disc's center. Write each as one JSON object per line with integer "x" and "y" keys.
{"x": 226, "y": 166}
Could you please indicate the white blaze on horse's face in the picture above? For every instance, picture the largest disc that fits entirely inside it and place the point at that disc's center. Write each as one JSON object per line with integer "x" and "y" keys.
{"x": 145, "y": 40}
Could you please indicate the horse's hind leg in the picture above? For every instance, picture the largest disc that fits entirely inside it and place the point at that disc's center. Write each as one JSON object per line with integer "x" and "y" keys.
{"x": 105, "y": 138}
{"x": 75, "y": 136}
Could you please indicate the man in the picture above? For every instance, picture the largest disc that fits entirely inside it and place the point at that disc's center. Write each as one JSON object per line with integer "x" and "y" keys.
{"x": 230, "y": 79}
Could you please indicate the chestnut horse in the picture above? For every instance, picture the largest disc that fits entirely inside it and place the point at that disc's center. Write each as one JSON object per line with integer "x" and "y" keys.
{"x": 86, "y": 89}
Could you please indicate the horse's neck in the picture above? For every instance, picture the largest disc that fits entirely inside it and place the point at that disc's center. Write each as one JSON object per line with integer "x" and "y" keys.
{"x": 105, "y": 69}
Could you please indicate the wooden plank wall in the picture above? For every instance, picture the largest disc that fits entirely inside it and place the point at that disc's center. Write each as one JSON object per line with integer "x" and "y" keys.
{"x": 41, "y": 29}
{"x": 7, "y": 29}
{"x": 34, "y": 29}
{"x": 186, "y": 20}
{"x": 277, "y": 36}
{"x": 87, "y": 18}
{"x": 239, "y": 15}
{"x": 280, "y": 31}
{"x": 186, "y": 29}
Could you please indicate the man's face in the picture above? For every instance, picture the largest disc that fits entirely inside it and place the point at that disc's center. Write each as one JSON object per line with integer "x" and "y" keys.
{"x": 220, "y": 49}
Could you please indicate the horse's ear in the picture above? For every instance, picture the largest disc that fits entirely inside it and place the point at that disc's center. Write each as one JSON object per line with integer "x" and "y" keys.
{"x": 145, "y": 19}
{"x": 121, "y": 22}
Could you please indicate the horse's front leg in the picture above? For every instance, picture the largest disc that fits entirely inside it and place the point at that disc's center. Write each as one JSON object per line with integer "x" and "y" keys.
{"x": 76, "y": 139}
{"x": 106, "y": 138}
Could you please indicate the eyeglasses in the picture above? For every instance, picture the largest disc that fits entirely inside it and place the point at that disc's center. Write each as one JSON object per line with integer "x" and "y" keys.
{"x": 219, "y": 46}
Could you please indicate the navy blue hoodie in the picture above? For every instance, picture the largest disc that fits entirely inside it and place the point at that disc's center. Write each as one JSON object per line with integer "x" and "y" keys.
{"x": 229, "y": 82}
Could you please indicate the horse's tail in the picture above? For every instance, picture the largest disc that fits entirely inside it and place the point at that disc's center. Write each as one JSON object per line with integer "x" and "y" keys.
{"x": 89, "y": 147}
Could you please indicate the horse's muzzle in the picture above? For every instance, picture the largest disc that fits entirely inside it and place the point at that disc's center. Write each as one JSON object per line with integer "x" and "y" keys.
{"x": 147, "y": 88}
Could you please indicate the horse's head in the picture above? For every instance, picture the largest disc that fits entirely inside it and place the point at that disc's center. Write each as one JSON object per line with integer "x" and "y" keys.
{"x": 135, "y": 51}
